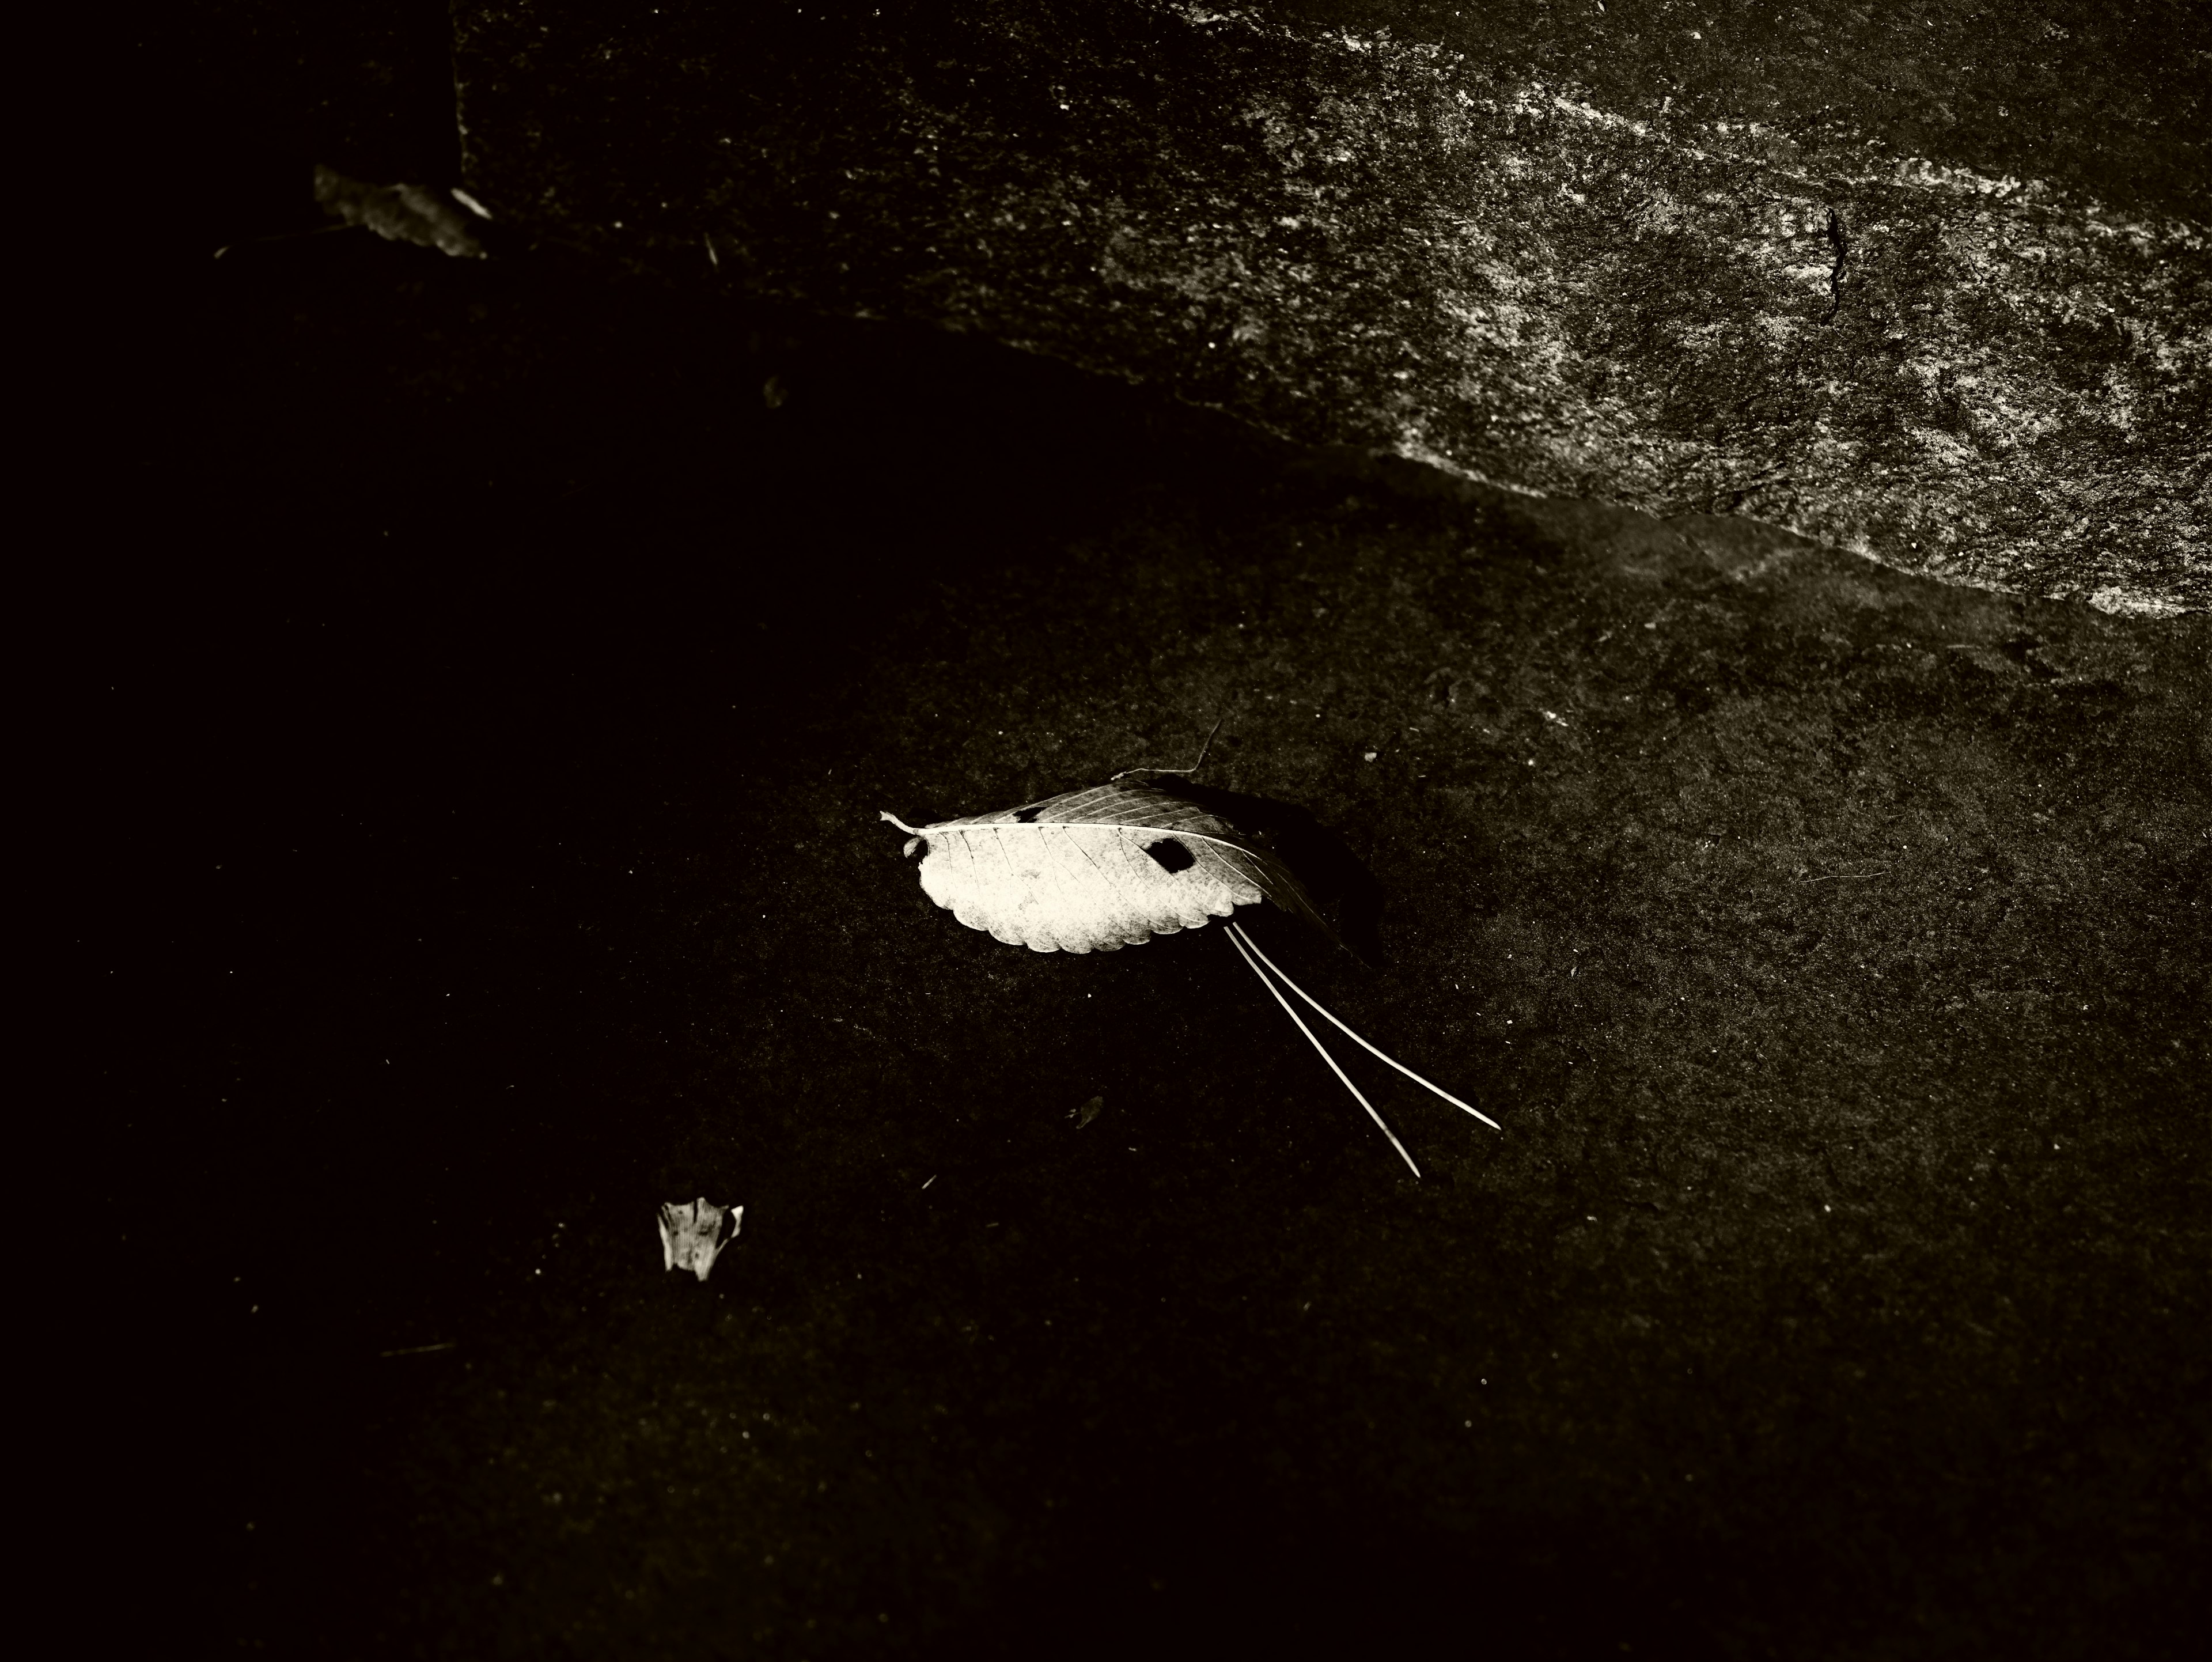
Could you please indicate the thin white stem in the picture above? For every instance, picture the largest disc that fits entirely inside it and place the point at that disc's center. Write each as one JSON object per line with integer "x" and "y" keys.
{"x": 1235, "y": 929}
{"x": 1325, "y": 1055}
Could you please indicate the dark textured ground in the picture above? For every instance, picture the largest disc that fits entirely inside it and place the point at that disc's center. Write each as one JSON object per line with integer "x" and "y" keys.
{"x": 487, "y": 803}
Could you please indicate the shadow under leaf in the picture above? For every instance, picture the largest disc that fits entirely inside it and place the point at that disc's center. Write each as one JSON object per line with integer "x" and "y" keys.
{"x": 1316, "y": 855}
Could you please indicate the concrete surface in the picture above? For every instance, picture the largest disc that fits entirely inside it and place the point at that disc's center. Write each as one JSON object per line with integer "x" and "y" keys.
{"x": 490, "y": 699}
{"x": 1628, "y": 257}
{"x": 1829, "y": 941}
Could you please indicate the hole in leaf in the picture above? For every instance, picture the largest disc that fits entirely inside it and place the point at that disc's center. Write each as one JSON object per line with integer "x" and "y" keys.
{"x": 1172, "y": 855}
{"x": 1027, "y": 815}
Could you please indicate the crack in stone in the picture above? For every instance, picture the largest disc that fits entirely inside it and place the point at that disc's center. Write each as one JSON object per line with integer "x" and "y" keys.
{"x": 1840, "y": 239}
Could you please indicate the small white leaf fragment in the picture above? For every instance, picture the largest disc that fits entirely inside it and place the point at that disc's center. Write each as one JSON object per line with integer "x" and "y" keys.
{"x": 400, "y": 213}
{"x": 1085, "y": 1114}
{"x": 691, "y": 1233}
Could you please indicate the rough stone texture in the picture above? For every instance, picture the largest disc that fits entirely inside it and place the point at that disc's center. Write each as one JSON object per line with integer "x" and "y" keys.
{"x": 1429, "y": 240}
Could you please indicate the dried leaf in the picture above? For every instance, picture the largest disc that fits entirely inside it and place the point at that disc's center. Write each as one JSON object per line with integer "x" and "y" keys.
{"x": 1099, "y": 869}
{"x": 691, "y": 1233}
{"x": 399, "y": 213}
{"x": 1112, "y": 866}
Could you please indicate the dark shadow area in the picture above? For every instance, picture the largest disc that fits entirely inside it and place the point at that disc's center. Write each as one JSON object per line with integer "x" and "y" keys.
{"x": 445, "y": 592}
{"x": 1319, "y": 858}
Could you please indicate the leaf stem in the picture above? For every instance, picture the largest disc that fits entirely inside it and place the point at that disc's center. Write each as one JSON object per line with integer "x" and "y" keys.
{"x": 1234, "y": 928}
{"x": 1234, "y": 933}
{"x": 1186, "y": 772}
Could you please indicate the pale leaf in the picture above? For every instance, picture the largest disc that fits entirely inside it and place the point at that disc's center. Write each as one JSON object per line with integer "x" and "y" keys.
{"x": 1098, "y": 869}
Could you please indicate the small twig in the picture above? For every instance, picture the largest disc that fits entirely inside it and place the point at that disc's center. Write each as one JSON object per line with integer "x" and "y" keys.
{"x": 1235, "y": 928}
{"x": 420, "y": 1349}
{"x": 1325, "y": 1057}
{"x": 1846, "y": 877}
{"x": 1186, "y": 772}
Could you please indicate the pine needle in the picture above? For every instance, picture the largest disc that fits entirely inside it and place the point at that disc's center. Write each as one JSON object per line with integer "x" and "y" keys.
{"x": 1236, "y": 930}
{"x": 1234, "y": 939}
